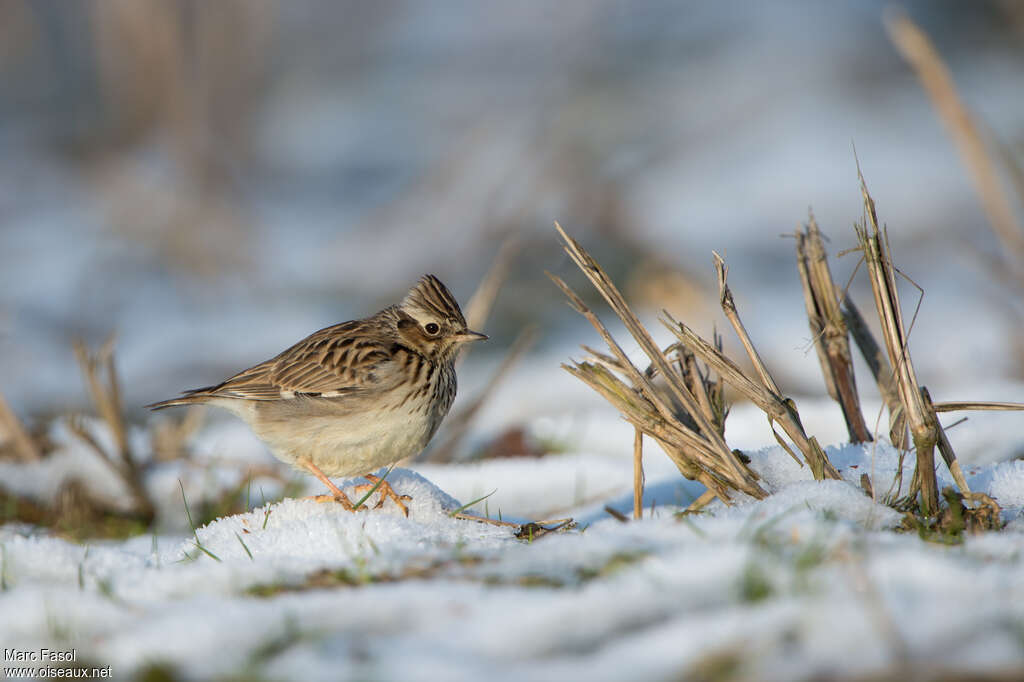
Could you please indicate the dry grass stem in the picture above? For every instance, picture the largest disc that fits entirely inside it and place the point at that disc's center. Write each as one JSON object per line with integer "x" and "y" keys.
{"x": 980, "y": 406}
{"x": 865, "y": 484}
{"x": 710, "y": 394}
{"x": 878, "y": 362}
{"x": 778, "y": 408}
{"x": 774, "y": 406}
{"x": 23, "y": 447}
{"x": 661, "y": 364}
{"x": 616, "y": 514}
{"x": 690, "y": 450}
{"x": 530, "y": 530}
{"x": 672, "y": 416}
{"x": 924, "y": 426}
{"x": 828, "y": 328}
{"x": 702, "y": 501}
{"x": 920, "y": 53}
{"x": 694, "y": 457}
{"x": 945, "y": 448}
{"x": 106, "y": 395}
{"x": 728, "y": 304}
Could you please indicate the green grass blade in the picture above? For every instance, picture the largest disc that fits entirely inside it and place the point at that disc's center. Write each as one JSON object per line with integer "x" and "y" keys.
{"x": 244, "y": 546}
{"x": 188, "y": 514}
{"x": 207, "y": 552}
{"x": 372, "y": 490}
{"x": 470, "y": 504}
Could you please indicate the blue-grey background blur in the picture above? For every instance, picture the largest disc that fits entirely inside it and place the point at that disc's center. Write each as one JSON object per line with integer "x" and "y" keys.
{"x": 214, "y": 180}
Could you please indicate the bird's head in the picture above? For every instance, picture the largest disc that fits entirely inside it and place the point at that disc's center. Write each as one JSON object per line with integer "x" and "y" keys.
{"x": 430, "y": 320}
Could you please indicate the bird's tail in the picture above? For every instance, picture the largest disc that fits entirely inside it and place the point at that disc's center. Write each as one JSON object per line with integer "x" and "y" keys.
{"x": 193, "y": 397}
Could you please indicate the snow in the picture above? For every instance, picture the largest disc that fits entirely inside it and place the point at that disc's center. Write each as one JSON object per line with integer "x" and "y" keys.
{"x": 810, "y": 582}
{"x": 1008, "y": 483}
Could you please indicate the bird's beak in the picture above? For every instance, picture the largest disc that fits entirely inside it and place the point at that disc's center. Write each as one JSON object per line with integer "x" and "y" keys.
{"x": 468, "y": 335}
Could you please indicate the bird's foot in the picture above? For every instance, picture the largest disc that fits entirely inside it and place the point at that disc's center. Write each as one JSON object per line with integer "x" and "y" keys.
{"x": 386, "y": 491}
{"x": 340, "y": 498}
{"x": 337, "y": 496}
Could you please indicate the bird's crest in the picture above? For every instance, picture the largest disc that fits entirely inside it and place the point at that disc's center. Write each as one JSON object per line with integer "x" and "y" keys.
{"x": 432, "y": 297}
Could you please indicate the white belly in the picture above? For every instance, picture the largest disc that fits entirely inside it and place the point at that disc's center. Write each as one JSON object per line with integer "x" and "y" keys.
{"x": 346, "y": 445}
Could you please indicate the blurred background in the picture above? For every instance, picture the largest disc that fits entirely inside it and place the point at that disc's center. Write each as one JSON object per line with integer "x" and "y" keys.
{"x": 212, "y": 181}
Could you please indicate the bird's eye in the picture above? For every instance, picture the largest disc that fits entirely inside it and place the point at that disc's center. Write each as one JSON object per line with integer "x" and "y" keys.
{"x": 432, "y": 328}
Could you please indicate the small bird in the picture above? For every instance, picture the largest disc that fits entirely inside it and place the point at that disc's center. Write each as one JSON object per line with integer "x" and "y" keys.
{"x": 356, "y": 396}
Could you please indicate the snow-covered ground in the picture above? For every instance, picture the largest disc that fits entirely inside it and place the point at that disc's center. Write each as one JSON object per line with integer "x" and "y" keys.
{"x": 811, "y": 583}
{"x": 403, "y": 138}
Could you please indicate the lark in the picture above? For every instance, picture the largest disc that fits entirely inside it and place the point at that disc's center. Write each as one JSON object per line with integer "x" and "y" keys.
{"x": 354, "y": 397}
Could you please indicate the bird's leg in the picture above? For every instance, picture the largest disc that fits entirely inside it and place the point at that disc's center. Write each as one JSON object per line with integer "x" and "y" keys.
{"x": 338, "y": 496}
{"x": 385, "y": 490}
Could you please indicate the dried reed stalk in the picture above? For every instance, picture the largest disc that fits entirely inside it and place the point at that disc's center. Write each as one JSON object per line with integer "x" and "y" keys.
{"x": 106, "y": 395}
{"x": 915, "y": 46}
{"x": 646, "y": 408}
{"x": 768, "y": 396}
{"x": 924, "y": 426}
{"x": 687, "y": 433}
{"x": 980, "y": 405}
{"x": 828, "y": 328}
{"x": 23, "y": 447}
{"x": 908, "y": 402}
{"x": 710, "y": 394}
{"x": 660, "y": 363}
{"x": 878, "y": 362}
{"x": 945, "y": 447}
